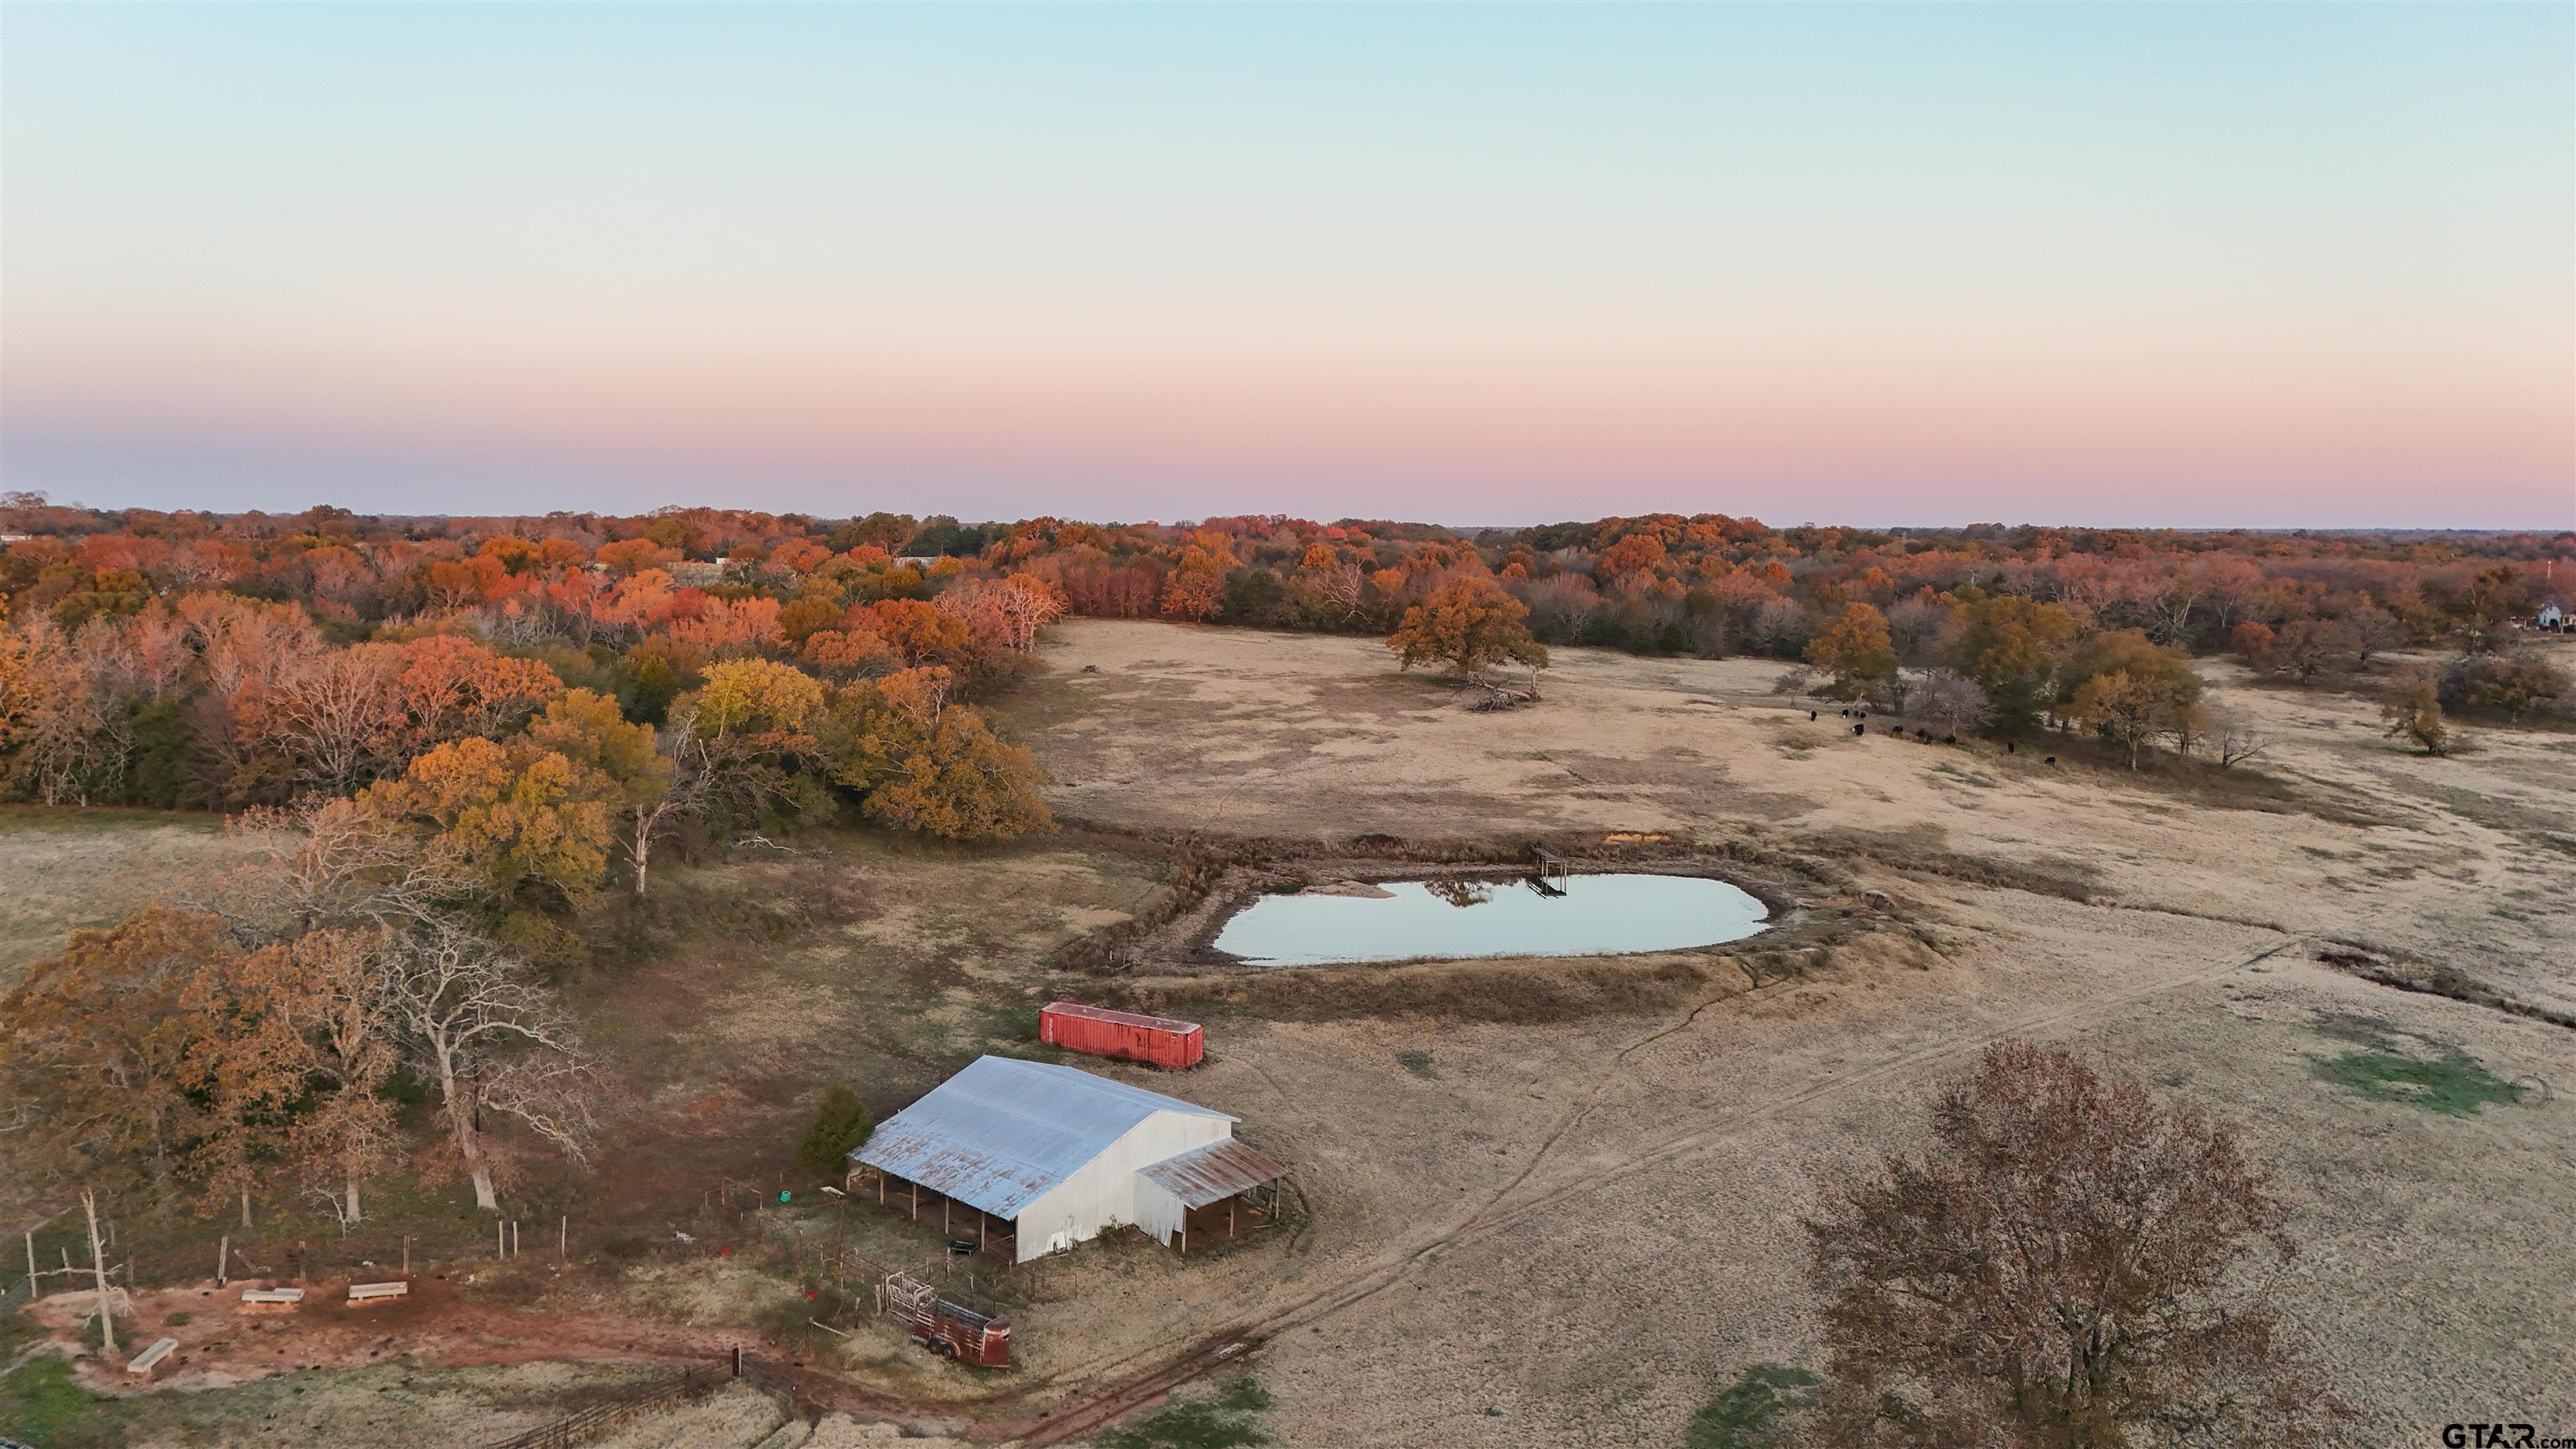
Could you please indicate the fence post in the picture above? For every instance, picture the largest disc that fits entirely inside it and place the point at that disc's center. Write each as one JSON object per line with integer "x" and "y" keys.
{"x": 31, "y": 1265}
{"x": 223, "y": 1260}
{"x": 98, "y": 1268}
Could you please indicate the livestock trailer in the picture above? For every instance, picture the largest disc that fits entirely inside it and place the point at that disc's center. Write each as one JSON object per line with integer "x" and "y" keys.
{"x": 1157, "y": 1041}
{"x": 962, "y": 1334}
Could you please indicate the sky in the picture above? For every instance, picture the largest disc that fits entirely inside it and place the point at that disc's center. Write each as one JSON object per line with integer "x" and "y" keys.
{"x": 2199, "y": 265}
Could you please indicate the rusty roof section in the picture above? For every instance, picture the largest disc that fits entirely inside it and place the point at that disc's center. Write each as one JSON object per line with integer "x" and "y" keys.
{"x": 1123, "y": 1018}
{"x": 1001, "y": 1133}
{"x": 1213, "y": 1173}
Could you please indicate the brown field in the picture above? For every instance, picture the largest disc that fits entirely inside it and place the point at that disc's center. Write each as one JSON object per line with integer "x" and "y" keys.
{"x": 1581, "y": 1215}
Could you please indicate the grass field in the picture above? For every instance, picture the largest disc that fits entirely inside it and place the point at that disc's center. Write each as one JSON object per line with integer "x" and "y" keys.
{"x": 1568, "y": 1214}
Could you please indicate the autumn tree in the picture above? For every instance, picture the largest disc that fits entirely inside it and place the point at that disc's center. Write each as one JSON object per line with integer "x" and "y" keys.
{"x": 2252, "y": 641}
{"x": 2132, "y": 689}
{"x": 2069, "y": 1265}
{"x": 2413, "y": 713}
{"x": 846, "y": 653}
{"x": 2305, "y": 648}
{"x": 2478, "y": 611}
{"x": 2013, "y": 648}
{"x": 295, "y": 1046}
{"x": 751, "y": 738}
{"x": 2130, "y": 710}
{"x": 922, "y": 763}
{"x": 2510, "y": 684}
{"x": 521, "y": 815}
{"x": 69, "y": 726}
{"x": 1010, "y": 611}
{"x": 93, "y": 1041}
{"x": 1855, "y": 653}
{"x": 1469, "y": 627}
{"x": 1193, "y": 592}
{"x": 17, "y": 678}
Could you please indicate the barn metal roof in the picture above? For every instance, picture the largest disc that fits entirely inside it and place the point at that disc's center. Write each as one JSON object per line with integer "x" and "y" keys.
{"x": 1213, "y": 1173}
{"x": 1001, "y": 1133}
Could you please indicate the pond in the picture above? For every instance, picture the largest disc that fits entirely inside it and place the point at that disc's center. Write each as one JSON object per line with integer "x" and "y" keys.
{"x": 1598, "y": 915}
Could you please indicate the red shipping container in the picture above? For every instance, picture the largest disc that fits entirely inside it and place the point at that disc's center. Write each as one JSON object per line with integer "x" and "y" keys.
{"x": 1154, "y": 1040}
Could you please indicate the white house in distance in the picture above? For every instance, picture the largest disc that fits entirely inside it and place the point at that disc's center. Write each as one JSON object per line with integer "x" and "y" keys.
{"x": 1026, "y": 1159}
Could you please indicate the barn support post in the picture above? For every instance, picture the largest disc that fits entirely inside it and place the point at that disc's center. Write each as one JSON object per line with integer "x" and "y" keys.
{"x": 916, "y": 1202}
{"x": 1229, "y": 1216}
{"x": 943, "y": 1214}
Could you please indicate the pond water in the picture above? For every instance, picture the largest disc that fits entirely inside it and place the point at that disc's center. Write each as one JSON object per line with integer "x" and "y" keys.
{"x": 1599, "y": 915}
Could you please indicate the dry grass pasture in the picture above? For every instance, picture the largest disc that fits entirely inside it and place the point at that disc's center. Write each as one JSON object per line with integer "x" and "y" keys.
{"x": 67, "y": 870}
{"x": 1574, "y": 1229}
{"x": 1567, "y": 1216}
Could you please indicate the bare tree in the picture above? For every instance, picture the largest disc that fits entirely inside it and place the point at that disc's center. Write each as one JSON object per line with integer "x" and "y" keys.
{"x": 338, "y": 717}
{"x": 1951, "y": 698}
{"x": 2070, "y": 1266}
{"x": 491, "y": 1039}
{"x": 2237, "y": 742}
{"x": 2370, "y": 631}
{"x": 1798, "y": 679}
{"x": 337, "y": 864}
{"x": 1012, "y": 610}
{"x": 691, "y": 788}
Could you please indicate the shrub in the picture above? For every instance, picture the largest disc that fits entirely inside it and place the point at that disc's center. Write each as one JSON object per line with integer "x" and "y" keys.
{"x": 1748, "y": 1413}
{"x": 841, "y": 1126}
{"x": 2512, "y": 685}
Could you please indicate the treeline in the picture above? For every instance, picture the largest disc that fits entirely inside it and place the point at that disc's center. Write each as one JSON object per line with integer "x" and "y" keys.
{"x": 445, "y": 752}
{"x": 232, "y": 660}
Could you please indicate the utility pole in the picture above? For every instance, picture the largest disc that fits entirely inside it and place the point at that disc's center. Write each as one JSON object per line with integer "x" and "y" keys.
{"x": 98, "y": 1271}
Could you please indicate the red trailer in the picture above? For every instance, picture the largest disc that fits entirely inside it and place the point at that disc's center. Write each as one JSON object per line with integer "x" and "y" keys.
{"x": 962, "y": 1334}
{"x": 1154, "y": 1040}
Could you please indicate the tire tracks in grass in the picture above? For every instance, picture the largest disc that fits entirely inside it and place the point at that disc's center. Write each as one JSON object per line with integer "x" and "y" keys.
{"x": 1097, "y": 1410}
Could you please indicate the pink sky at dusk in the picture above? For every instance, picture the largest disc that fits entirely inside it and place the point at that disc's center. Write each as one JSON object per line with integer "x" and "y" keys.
{"x": 2273, "y": 266}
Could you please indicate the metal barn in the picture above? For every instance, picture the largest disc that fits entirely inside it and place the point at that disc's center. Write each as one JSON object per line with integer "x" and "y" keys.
{"x": 1028, "y": 1159}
